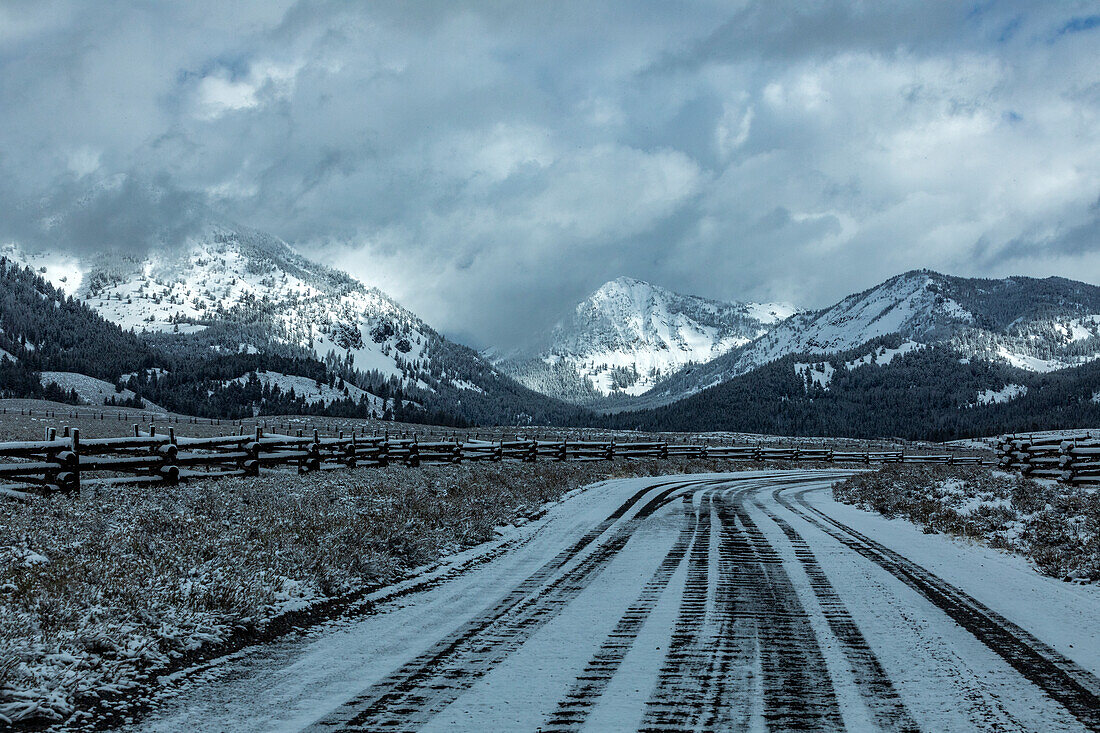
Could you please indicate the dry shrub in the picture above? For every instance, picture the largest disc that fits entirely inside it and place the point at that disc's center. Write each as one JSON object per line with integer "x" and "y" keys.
{"x": 1056, "y": 526}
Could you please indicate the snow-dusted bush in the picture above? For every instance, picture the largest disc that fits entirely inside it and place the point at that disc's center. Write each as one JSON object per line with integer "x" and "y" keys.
{"x": 1056, "y": 526}
{"x": 1064, "y": 537}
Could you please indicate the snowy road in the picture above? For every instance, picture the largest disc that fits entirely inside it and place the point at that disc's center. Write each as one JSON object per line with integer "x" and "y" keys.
{"x": 747, "y": 601}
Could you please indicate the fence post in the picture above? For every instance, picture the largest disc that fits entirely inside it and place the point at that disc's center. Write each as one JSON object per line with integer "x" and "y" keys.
{"x": 169, "y": 471}
{"x": 315, "y": 452}
{"x": 250, "y": 464}
{"x": 74, "y": 475}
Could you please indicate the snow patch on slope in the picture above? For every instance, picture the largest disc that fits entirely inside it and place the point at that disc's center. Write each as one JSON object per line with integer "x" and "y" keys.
{"x": 883, "y": 355}
{"x": 90, "y": 390}
{"x": 470, "y": 386}
{"x": 61, "y": 270}
{"x": 1037, "y": 364}
{"x": 1004, "y": 394}
{"x": 309, "y": 390}
{"x": 816, "y": 373}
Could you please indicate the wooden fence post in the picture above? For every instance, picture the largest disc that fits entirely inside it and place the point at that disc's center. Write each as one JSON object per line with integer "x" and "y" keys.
{"x": 168, "y": 469}
{"x": 251, "y": 463}
{"x": 74, "y": 473}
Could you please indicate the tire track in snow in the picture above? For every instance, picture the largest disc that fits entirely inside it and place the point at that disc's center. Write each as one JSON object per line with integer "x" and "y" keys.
{"x": 875, "y": 687}
{"x": 573, "y": 709}
{"x": 733, "y": 676}
{"x": 797, "y": 687}
{"x": 666, "y": 708}
{"x": 756, "y": 655}
{"x": 1062, "y": 679}
{"x": 406, "y": 699}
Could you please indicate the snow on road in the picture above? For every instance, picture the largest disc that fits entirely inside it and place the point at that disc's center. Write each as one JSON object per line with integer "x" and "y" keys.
{"x": 713, "y": 602}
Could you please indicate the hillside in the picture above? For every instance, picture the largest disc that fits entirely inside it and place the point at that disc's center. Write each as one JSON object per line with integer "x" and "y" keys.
{"x": 888, "y": 387}
{"x": 42, "y": 329}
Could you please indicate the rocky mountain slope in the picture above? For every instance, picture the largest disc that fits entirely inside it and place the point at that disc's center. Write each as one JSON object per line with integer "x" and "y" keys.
{"x": 629, "y": 335}
{"x": 1035, "y": 325}
{"x": 238, "y": 275}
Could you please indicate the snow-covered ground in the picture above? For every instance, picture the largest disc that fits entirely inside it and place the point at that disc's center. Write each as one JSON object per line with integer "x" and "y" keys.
{"x": 310, "y": 390}
{"x": 1006, "y": 393}
{"x": 91, "y": 390}
{"x": 705, "y": 602}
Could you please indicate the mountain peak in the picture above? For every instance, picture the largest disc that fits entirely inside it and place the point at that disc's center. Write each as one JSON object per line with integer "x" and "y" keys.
{"x": 630, "y": 334}
{"x": 624, "y": 281}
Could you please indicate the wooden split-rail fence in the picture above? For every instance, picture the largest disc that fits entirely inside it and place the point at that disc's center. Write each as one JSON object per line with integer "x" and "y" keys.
{"x": 67, "y": 462}
{"x": 1073, "y": 459}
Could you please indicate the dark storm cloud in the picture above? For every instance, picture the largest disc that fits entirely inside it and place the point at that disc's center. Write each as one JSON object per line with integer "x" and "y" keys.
{"x": 1066, "y": 241}
{"x": 787, "y": 31}
{"x": 490, "y": 163}
{"x": 122, "y": 215}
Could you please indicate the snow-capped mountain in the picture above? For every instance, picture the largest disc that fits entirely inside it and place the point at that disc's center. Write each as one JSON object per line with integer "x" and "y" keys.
{"x": 629, "y": 335}
{"x": 245, "y": 291}
{"x": 1037, "y": 325}
{"x": 243, "y": 276}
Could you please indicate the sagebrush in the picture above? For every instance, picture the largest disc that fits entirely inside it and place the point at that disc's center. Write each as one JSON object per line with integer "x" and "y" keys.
{"x": 1054, "y": 525}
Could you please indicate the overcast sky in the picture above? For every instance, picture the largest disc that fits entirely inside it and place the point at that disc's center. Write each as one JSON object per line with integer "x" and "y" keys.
{"x": 488, "y": 164}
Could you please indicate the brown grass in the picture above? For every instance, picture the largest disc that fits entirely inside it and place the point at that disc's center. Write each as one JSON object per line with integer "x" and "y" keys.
{"x": 1054, "y": 525}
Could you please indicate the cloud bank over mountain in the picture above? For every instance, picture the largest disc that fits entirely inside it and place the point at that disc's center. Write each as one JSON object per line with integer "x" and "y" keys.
{"x": 488, "y": 165}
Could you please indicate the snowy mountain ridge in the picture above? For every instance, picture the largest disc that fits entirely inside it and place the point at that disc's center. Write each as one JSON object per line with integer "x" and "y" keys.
{"x": 1032, "y": 324}
{"x": 243, "y": 275}
{"x": 628, "y": 335}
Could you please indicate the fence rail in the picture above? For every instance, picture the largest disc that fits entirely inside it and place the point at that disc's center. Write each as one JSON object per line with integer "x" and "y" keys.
{"x": 1073, "y": 459}
{"x": 68, "y": 462}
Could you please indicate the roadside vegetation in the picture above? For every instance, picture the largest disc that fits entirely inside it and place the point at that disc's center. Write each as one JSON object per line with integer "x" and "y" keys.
{"x": 1055, "y": 526}
{"x": 98, "y": 593}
